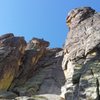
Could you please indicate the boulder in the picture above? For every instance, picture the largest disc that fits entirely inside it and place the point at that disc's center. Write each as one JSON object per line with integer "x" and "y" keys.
{"x": 81, "y": 62}
{"x": 11, "y": 51}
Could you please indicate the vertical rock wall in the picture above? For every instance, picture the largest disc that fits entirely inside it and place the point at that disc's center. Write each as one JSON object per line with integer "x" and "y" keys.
{"x": 81, "y": 62}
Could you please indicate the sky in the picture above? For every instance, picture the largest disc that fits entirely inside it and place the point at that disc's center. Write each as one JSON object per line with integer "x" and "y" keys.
{"x": 40, "y": 18}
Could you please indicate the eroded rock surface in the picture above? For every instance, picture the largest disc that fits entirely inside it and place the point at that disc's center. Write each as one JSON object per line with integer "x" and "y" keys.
{"x": 39, "y": 75}
{"x": 48, "y": 78}
{"x": 11, "y": 51}
{"x": 81, "y": 62}
{"x": 35, "y": 50}
{"x": 36, "y": 72}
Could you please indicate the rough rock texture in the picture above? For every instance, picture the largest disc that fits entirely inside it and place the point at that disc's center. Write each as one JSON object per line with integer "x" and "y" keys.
{"x": 36, "y": 72}
{"x": 11, "y": 51}
{"x": 31, "y": 73}
{"x": 35, "y": 50}
{"x": 81, "y": 62}
{"x": 48, "y": 78}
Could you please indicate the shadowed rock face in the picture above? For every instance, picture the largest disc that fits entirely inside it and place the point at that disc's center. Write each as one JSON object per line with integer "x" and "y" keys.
{"x": 81, "y": 62}
{"x": 11, "y": 51}
{"x": 29, "y": 70}
{"x": 35, "y": 69}
{"x": 48, "y": 77}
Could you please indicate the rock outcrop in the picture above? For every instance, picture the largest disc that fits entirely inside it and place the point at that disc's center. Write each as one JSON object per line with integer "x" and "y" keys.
{"x": 33, "y": 71}
{"x": 34, "y": 51}
{"x": 11, "y": 51}
{"x": 81, "y": 62}
{"x": 48, "y": 77}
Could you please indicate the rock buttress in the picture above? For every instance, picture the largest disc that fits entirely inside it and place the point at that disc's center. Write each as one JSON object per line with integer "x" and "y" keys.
{"x": 81, "y": 62}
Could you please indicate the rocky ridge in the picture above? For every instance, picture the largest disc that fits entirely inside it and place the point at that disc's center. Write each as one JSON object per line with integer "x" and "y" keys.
{"x": 33, "y": 71}
{"x": 29, "y": 71}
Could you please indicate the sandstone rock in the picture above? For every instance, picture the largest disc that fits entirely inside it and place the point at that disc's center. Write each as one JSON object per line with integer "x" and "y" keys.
{"x": 8, "y": 35}
{"x": 36, "y": 72}
{"x": 37, "y": 44}
{"x": 35, "y": 50}
{"x": 7, "y": 95}
{"x": 76, "y": 16}
{"x": 47, "y": 79}
{"x": 82, "y": 55}
{"x": 11, "y": 51}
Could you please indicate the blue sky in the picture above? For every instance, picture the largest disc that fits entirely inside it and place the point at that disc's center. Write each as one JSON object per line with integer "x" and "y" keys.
{"x": 39, "y": 18}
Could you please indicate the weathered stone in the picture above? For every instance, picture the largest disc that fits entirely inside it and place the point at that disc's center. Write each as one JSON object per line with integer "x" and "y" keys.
{"x": 37, "y": 44}
{"x": 11, "y": 51}
{"x": 35, "y": 50}
{"x": 47, "y": 79}
{"x": 77, "y": 15}
{"x": 35, "y": 97}
{"x": 7, "y": 95}
{"x": 82, "y": 55}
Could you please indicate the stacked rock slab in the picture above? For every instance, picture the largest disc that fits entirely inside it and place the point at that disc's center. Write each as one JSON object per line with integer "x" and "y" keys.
{"x": 81, "y": 62}
{"x": 11, "y": 51}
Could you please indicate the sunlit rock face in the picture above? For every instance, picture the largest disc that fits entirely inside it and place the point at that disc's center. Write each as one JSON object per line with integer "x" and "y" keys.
{"x": 31, "y": 71}
{"x": 47, "y": 78}
{"x": 77, "y": 15}
{"x": 37, "y": 44}
{"x": 35, "y": 71}
{"x": 34, "y": 51}
{"x": 11, "y": 51}
{"x": 81, "y": 62}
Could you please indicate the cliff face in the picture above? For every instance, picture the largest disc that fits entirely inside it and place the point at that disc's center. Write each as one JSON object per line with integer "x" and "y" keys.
{"x": 81, "y": 62}
{"x": 32, "y": 71}
{"x": 11, "y": 51}
{"x": 29, "y": 69}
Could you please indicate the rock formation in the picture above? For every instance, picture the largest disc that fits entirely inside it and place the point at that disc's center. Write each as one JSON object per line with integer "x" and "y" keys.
{"x": 33, "y": 71}
{"x": 81, "y": 62}
{"x": 29, "y": 70}
{"x": 34, "y": 51}
{"x": 11, "y": 51}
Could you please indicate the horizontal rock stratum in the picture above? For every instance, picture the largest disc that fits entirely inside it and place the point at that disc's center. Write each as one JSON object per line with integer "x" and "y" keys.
{"x": 33, "y": 71}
